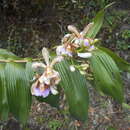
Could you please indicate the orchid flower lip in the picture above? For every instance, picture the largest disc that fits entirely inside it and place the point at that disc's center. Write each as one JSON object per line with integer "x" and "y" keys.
{"x": 44, "y": 93}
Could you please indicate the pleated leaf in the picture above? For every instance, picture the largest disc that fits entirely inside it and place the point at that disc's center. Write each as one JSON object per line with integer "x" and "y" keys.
{"x": 4, "y": 54}
{"x": 4, "y": 109}
{"x": 107, "y": 76}
{"x": 15, "y": 96}
{"x": 121, "y": 63}
{"x": 75, "y": 88}
{"x": 29, "y": 71}
{"x": 18, "y": 91}
{"x": 98, "y": 21}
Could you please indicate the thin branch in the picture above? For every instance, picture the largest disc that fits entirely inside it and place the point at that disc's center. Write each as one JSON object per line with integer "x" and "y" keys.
{"x": 19, "y": 61}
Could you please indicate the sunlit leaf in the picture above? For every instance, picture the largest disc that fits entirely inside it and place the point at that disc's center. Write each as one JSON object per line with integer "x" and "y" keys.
{"x": 98, "y": 21}
{"x": 107, "y": 76}
{"x": 15, "y": 96}
{"x": 121, "y": 63}
{"x": 6, "y": 54}
{"x": 29, "y": 70}
{"x": 4, "y": 109}
{"x": 75, "y": 88}
{"x": 18, "y": 90}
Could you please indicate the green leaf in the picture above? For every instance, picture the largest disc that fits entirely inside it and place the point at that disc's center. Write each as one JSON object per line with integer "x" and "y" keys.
{"x": 107, "y": 76}
{"x": 121, "y": 63}
{"x": 15, "y": 96}
{"x": 75, "y": 88}
{"x": 98, "y": 21}
{"x": 6, "y": 54}
{"x": 18, "y": 90}
{"x": 4, "y": 109}
{"x": 29, "y": 71}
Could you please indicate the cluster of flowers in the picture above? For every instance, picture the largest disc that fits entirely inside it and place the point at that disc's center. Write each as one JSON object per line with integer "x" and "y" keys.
{"x": 74, "y": 43}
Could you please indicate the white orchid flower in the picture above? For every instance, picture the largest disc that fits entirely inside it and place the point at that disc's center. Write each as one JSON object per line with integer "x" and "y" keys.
{"x": 46, "y": 83}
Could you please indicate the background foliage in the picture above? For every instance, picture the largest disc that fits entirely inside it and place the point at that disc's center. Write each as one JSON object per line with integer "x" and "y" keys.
{"x": 28, "y": 23}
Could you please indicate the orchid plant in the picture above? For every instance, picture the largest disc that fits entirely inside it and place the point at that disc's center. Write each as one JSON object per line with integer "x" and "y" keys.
{"x": 79, "y": 62}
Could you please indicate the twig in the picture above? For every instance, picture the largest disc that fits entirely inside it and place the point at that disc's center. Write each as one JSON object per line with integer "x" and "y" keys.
{"x": 19, "y": 61}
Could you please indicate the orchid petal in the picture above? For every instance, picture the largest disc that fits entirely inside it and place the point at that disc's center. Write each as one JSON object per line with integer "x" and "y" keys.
{"x": 57, "y": 78}
{"x": 37, "y": 66}
{"x": 91, "y": 48}
{"x": 74, "y": 30}
{"x": 37, "y": 92}
{"x": 46, "y": 92}
{"x": 87, "y": 28}
{"x": 45, "y": 54}
{"x": 56, "y": 60}
{"x": 66, "y": 38}
{"x": 34, "y": 86}
{"x": 41, "y": 79}
{"x": 67, "y": 35}
{"x": 85, "y": 55}
{"x": 62, "y": 51}
{"x": 77, "y": 41}
{"x": 53, "y": 90}
{"x": 68, "y": 53}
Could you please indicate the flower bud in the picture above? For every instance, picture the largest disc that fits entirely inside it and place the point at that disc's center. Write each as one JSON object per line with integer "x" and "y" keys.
{"x": 72, "y": 68}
